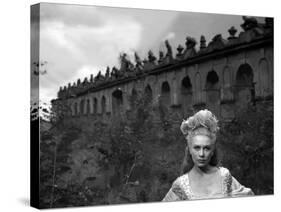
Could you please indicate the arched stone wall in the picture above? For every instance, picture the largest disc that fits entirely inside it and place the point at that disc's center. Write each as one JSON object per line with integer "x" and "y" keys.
{"x": 173, "y": 89}
{"x": 212, "y": 81}
{"x": 212, "y": 88}
{"x": 148, "y": 93}
{"x": 81, "y": 106}
{"x": 198, "y": 89}
{"x": 226, "y": 80}
{"x": 186, "y": 95}
{"x": 165, "y": 98}
{"x": 117, "y": 101}
{"x": 71, "y": 107}
{"x": 244, "y": 84}
{"x": 269, "y": 57}
{"x": 88, "y": 106}
{"x": 264, "y": 78}
{"x": 226, "y": 88}
{"x": 76, "y": 108}
{"x": 103, "y": 105}
{"x": 95, "y": 105}
{"x": 133, "y": 98}
{"x": 151, "y": 81}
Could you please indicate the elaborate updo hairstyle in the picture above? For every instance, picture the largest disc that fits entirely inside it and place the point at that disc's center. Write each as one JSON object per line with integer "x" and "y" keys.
{"x": 203, "y": 122}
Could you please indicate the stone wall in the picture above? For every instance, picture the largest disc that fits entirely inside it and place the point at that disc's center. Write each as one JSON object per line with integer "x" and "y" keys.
{"x": 222, "y": 76}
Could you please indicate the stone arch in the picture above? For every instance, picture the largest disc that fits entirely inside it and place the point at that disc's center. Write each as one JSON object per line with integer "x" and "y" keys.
{"x": 81, "y": 106}
{"x": 212, "y": 91}
{"x": 117, "y": 101}
{"x": 212, "y": 80}
{"x": 165, "y": 98}
{"x": 244, "y": 76}
{"x": 103, "y": 104}
{"x": 95, "y": 105}
{"x": 148, "y": 95}
{"x": 244, "y": 91}
{"x": 264, "y": 77}
{"x": 186, "y": 94}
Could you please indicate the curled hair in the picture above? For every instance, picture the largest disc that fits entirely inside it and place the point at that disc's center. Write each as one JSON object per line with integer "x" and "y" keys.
{"x": 203, "y": 122}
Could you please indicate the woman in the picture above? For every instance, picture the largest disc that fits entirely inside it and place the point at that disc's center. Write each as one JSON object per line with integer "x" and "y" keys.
{"x": 202, "y": 178}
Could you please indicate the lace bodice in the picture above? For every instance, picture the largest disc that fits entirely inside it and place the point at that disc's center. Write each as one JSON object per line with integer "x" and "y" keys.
{"x": 181, "y": 189}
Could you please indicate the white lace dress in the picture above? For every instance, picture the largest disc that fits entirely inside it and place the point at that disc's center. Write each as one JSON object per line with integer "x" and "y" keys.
{"x": 230, "y": 187}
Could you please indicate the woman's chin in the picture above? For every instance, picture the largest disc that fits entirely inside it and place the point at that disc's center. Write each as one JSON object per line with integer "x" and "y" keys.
{"x": 202, "y": 165}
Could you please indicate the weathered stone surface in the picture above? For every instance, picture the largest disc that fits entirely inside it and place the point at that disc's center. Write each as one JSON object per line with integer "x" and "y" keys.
{"x": 164, "y": 66}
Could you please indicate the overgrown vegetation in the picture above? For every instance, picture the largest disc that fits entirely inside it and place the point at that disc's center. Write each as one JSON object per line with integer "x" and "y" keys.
{"x": 247, "y": 147}
{"x": 136, "y": 160}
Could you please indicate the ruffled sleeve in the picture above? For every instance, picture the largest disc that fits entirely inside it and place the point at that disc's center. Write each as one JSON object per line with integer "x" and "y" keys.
{"x": 232, "y": 187}
{"x": 238, "y": 190}
{"x": 176, "y": 192}
{"x": 171, "y": 196}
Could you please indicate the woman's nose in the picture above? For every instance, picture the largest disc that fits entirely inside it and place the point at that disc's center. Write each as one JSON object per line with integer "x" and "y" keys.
{"x": 201, "y": 152}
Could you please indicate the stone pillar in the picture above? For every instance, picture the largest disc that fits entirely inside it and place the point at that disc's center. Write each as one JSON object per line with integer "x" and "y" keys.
{"x": 91, "y": 105}
{"x": 264, "y": 78}
{"x": 226, "y": 93}
{"x": 174, "y": 93}
{"x": 108, "y": 101}
{"x": 126, "y": 92}
{"x": 78, "y": 106}
{"x": 157, "y": 91}
{"x": 99, "y": 104}
{"x": 85, "y": 106}
{"x": 202, "y": 98}
{"x": 72, "y": 109}
{"x": 226, "y": 88}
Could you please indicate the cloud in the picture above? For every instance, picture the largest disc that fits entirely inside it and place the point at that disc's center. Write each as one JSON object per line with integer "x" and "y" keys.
{"x": 72, "y": 15}
{"x": 169, "y": 36}
{"x": 74, "y": 50}
{"x": 78, "y": 41}
{"x": 84, "y": 71}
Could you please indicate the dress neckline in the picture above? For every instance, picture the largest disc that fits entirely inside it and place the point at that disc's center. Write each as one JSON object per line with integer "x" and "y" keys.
{"x": 189, "y": 190}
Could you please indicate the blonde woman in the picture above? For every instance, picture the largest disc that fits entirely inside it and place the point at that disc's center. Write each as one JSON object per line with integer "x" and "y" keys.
{"x": 202, "y": 178}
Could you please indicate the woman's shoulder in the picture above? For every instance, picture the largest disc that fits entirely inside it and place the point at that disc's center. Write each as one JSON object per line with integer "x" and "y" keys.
{"x": 226, "y": 179}
{"x": 178, "y": 189}
{"x": 224, "y": 171}
{"x": 181, "y": 186}
{"x": 182, "y": 180}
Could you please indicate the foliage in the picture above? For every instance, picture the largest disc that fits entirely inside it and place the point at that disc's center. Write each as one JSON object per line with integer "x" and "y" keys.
{"x": 247, "y": 147}
{"x": 89, "y": 162}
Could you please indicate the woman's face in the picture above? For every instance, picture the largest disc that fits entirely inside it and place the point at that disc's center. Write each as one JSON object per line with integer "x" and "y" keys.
{"x": 201, "y": 149}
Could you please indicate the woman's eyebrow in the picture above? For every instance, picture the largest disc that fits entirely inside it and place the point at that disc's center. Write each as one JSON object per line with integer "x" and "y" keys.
{"x": 198, "y": 145}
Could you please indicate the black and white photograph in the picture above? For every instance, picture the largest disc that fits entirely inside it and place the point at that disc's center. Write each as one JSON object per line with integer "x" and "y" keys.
{"x": 132, "y": 105}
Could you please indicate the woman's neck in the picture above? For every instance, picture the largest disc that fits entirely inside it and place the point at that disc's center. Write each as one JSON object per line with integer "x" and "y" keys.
{"x": 204, "y": 170}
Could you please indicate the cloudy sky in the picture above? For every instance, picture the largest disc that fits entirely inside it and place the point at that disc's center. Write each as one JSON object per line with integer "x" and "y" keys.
{"x": 77, "y": 41}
